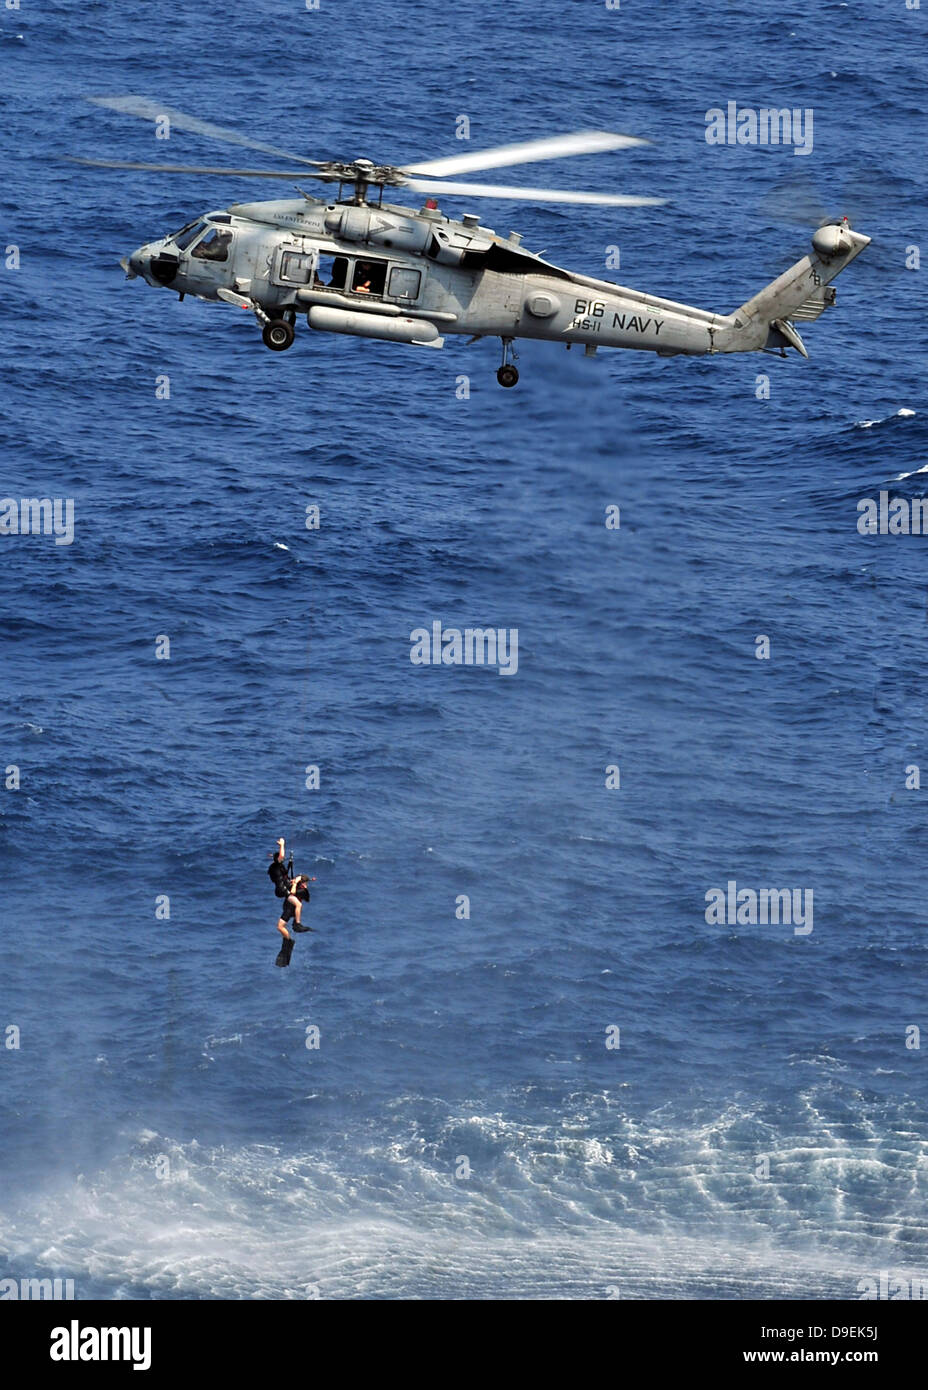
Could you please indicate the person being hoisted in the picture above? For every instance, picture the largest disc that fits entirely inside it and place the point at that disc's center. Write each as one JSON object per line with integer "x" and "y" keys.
{"x": 285, "y": 886}
{"x": 295, "y": 892}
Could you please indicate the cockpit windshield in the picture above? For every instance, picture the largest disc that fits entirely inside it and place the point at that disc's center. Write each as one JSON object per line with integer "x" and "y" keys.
{"x": 186, "y": 235}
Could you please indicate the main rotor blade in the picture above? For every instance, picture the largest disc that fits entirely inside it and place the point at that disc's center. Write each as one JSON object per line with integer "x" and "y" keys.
{"x": 534, "y": 195}
{"x": 179, "y": 120}
{"x": 553, "y": 147}
{"x": 203, "y": 169}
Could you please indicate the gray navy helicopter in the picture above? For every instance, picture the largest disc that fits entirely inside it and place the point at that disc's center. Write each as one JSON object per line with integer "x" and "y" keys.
{"x": 360, "y": 266}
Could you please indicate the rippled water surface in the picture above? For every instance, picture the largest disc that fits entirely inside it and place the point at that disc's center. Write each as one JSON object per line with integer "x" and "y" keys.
{"x": 462, "y": 1129}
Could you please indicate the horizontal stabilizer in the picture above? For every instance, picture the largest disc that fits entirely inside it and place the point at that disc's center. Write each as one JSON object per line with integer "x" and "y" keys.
{"x": 815, "y": 305}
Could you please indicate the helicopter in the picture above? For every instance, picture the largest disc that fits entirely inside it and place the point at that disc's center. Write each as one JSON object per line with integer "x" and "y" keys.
{"x": 357, "y": 265}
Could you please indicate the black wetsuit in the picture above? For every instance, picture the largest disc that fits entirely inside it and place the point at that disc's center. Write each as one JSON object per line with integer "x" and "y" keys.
{"x": 277, "y": 871}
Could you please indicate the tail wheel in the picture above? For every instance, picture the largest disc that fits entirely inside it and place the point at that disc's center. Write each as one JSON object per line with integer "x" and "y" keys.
{"x": 278, "y": 335}
{"x": 507, "y": 375}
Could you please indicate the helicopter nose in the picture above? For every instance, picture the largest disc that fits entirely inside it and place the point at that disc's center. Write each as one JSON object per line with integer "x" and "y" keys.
{"x": 156, "y": 266}
{"x": 162, "y": 267}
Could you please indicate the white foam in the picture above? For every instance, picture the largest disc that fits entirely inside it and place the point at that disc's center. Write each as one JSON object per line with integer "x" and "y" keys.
{"x": 914, "y": 473}
{"x": 902, "y": 413}
{"x": 550, "y": 1210}
{"x": 180, "y": 1239}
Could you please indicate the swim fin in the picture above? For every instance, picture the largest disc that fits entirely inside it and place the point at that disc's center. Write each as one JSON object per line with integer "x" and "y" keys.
{"x": 297, "y": 926}
{"x": 285, "y": 952}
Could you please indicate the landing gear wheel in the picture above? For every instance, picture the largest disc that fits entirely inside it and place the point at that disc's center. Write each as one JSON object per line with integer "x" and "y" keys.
{"x": 278, "y": 335}
{"x": 508, "y": 374}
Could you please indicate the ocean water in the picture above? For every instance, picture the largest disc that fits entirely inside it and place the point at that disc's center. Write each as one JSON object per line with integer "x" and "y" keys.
{"x": 462, "y": 1129}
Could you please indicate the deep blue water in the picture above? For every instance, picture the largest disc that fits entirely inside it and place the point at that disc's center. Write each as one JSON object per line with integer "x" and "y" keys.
{"x": 149, "y": 1045}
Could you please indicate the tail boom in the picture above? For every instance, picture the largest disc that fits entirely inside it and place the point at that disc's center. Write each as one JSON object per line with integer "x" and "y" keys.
{"x": 802, "y": 292}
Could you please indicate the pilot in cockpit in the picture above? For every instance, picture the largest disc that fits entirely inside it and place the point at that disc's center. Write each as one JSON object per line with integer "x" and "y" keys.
{"x": 214, "y": 246}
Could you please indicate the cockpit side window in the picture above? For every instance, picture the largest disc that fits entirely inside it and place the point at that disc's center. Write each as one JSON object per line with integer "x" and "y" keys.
{"x": 186, "y": 235}
{"x": 214, "y": 246}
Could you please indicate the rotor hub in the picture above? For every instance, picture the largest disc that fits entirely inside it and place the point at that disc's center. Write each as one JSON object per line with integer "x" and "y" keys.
{"x": 361, "y": 171}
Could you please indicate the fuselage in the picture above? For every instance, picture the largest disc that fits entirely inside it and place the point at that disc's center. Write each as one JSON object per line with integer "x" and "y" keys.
{"x": 379, "y": 271}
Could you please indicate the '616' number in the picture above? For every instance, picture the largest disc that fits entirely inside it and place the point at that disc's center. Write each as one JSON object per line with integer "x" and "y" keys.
{"x": 593, "y": 310}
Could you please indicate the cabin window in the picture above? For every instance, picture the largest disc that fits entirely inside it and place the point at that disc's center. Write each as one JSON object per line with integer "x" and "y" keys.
{"x": 404, "y": 283}
{"x": 370, "y": 277}
{"x": 330, "y": 273}
{"x": 214, "y": 246}
{"x": 296, "y": 267}
{"x": 186, "y": 235}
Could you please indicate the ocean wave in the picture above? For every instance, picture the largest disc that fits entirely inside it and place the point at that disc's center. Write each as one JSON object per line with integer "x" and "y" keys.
{"x": 901, "y": 414}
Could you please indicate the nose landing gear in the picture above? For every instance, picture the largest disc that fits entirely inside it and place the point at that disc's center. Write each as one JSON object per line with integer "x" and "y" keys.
{"x": 508, "y": 373}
